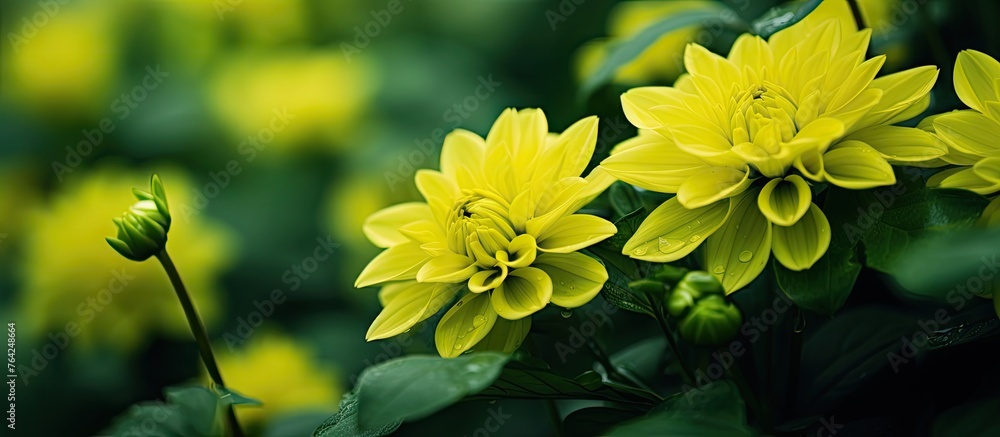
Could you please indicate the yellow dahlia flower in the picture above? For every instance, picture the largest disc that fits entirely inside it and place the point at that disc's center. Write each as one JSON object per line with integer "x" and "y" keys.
{"x": 496, "y": 229}
{"x": 282, "y": 374}
{"x": 740, "y": 140}
{"x": 971, "y": 134}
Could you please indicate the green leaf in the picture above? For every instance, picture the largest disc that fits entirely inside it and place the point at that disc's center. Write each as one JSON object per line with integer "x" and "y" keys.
{"x": 846, "y": 352}
{"x": 781, "y": 17}
{"x": 716, "y": 410}
{"x": 933, "y": 267}
{"x": 624, "y": 52}
{"x": 595, "y": 421}
{"x": 912, "y": 216}
{"x": 972, "y": 418}
{"x": 623, "y": 199}
{"x": 189, "y": 411}
{"x": 623, "y": 270}
{"x": 232, "y": 397}
{"x": 520, "y": 382}
{"x": 417, "y": 386}
{"x": 825, "y": 286}
{"x": 345, "y": 422}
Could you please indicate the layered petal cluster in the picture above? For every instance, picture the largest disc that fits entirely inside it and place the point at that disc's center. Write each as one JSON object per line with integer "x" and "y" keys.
{"x": 742, "y": 139}
{"x": 971, "y": 135}
{"x": 496, "y": 230}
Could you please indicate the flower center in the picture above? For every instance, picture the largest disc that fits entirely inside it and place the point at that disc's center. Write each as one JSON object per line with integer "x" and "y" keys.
{"x": 480, "y": 228}
{"x": 763, "y": 120}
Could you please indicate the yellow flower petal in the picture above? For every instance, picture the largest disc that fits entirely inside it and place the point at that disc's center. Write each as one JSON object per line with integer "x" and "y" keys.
{"x": 488, "y": 279}
{"x": 521, "y": 252}
{"x": 506, "y": 335}
{"x": 672, "y": 231}
{"x": 965, "y": 178}
{"x": 856, "y": 82}
{"x": 739, "y": 250}
{"x": 991, "y": 217}
{"x": 438, "y": 190}
{"x": 969, "y": 132}
{"x": 411, "y": 303}
{"x": 382, "y": 228}
{"x": 854, "y": 165}
{"x": 989, "y": 169}
{"x": 462, "y": 156}
{"x": 447, "y": 268}
{"x": 574, "y": 232}
{"x": 785, "y": 201}
{"x": 637, "y": 103}
{"x": 652, "y": 162}
{"x": 752, "y": 51}
{"x": 699, "y": 61}
{"x": 799, "y": 246}
{"x": 975, "y": 73}
{"x": 711, "y": 185}
{"x": 576, "y": 278}
{"x": 900, "y": 91}
{"x": 464, "y": 325}
{"x": 568, "y": 154}
{"x": 393, "y": 264}
{"x": 901, "y": 144}
{"x": 524, "y": 292}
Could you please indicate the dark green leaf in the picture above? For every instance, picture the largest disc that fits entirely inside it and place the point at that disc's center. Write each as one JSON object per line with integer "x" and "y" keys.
{"x": 971, "y": 419}
{"x": 232, "y": 397}
{"x": 624, "y": 52}
{"x": 416, "y": 386}
{"x": 825, "y": 286}
{"x": 595, "y": 421}
{"x": 936, "y": 265}
{"x": 189, "y": 411}
{"x": 520, "y": 382}
{"x": 846, "y": 352}
{"x": 345, "y": 422}
{"x": 716, "y": 410}
{"x": 623, "y": 198}
{"x": 782, "y": 16}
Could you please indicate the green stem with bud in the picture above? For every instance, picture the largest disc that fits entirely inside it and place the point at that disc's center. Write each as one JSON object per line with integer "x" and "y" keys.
{"x": 200, "y": 334}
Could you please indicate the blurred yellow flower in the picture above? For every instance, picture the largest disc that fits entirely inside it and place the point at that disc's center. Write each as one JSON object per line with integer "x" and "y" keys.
{"x": 740, "y": 138}
{"x": 971, "y": 134}
{"x": 282, "y": 374}
{"x": 19, "y": 193}
{"x": 496, "y": 229}
{"x": 64, "y": 64}
{"x": 70, "y": 275}
{"x": 266, "y": 22}
{"x": 323, "y": 95}
{"x": 661, "y": 61}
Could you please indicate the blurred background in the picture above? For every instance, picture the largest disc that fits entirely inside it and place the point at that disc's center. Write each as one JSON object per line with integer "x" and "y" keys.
{"x": 277, "y": 127}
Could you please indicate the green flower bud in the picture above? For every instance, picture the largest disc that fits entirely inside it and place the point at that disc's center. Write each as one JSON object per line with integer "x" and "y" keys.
{"x": 647, "y": 286}
{"x": 694, "y": 285}
{"x": 711, "y": 322}
{"x": 669, "y": 274}
{"x": 142, "y": 230}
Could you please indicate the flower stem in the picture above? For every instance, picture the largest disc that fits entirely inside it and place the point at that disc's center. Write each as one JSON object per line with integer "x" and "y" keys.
{"x": 200, "y": 334}
{"x": 795, "y": 361}
{"x": 667, "y": 332}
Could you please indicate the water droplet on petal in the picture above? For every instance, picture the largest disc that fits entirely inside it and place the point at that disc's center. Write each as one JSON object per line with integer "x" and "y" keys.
{"x": 458, "y": 346}
{"x": 566, "y": 313}
{"x": 745, "y": 256}
{"x": 459, "y": 303}
{"x": 639, "y": 251}
{"x": 478, "y": 321}
{"x": 668, "y": 245}
{"x": 695, "y": 238}
{"x": 719, "y": 269}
